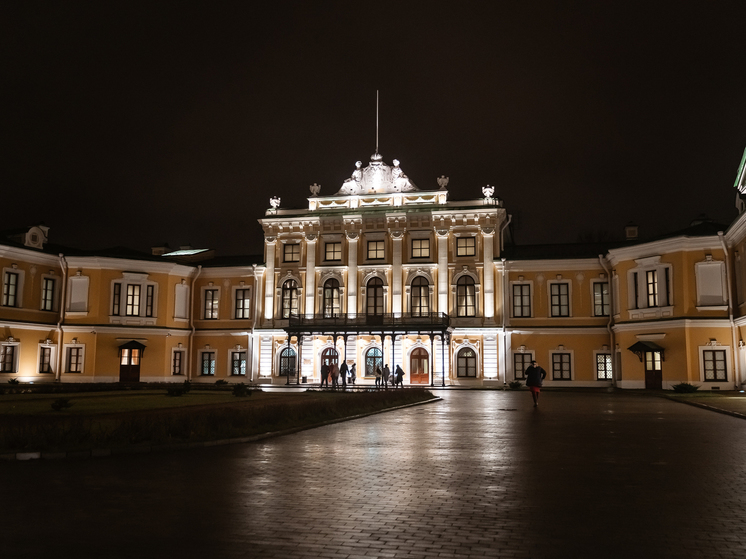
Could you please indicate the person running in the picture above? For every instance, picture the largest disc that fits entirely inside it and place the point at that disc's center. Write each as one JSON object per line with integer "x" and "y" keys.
{"x": 535, "y": 375}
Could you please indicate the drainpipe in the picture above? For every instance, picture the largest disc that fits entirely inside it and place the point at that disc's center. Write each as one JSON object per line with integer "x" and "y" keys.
{"x": 736, "y": 360}
{"x": 610, "y": 323}
{"x": 191, "y": 322}
{"x": 61, "y": 319}
{"x": 504, "y": 311}
{"x": 250, "y": 341}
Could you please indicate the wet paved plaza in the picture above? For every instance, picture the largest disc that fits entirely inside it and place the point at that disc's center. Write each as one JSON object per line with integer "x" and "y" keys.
{"x": 480, "y": 474}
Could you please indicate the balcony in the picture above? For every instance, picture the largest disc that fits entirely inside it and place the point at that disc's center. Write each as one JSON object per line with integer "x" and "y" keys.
{"x": 400, "y": 322}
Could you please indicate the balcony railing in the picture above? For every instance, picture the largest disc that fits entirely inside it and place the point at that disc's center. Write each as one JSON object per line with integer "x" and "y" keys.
{"x": 374, "y": 322}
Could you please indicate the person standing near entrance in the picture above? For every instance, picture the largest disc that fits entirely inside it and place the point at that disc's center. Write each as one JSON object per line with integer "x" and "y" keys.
{"x": 353, "y": 373}
{"x": 334, "y": 370}
{"x": 399, "y": 377}
{"x": 343, "y": 373}
{"x": 378, "y": 377}
{"x": 386, "y": 375}
{"x": 535, "y": 376}
{"x": 324, "y": 375}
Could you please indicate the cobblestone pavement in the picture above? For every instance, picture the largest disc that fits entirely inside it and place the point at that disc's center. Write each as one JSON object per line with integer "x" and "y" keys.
{"x": 481, "y": 474}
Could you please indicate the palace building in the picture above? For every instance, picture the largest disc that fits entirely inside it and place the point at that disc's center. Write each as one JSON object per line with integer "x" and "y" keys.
{"x": 383, "y": 272}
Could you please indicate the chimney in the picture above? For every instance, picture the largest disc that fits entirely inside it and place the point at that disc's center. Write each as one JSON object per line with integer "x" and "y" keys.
{"x": 630, "y": 231}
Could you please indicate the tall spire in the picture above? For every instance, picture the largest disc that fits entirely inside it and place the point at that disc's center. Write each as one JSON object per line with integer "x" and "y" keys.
{"x": 376, "y": 122}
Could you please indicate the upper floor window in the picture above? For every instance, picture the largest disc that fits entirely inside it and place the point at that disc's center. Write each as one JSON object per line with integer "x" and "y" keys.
{"x": 212, "y": 298}
{"x": 376, "y": 250}
{"x": 650, "y": 284}
{"x": 522, "y": 300}
{"x": 149, "y": 299}
{"x": 289, "y": 298}
{"x": 420, "y": 296}
{"x": 559, "y": 294}
{"x": 136, "y": 298}
{"x": 420, "y": 248}
{"x": 651, "y": 287}
{"x": 374, "y": 297}
{"x": 466, "y": 304}
{"x": 133, "y": 300}
{"x": 466, "y": 246}
{"x": 331, "y": 298}
{"x": 466, "y": 363}
{"x": 243, "y": 303}
{"x": 601, "y": 301}
{"x": 47, "y": 294}
{"x": 10, "y": 289}
{"x": 333, "y": 251}
{"x": 291, "y": 252}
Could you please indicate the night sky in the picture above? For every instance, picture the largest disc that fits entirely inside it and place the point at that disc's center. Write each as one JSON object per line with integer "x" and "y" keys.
{"x": 138, "y": 124}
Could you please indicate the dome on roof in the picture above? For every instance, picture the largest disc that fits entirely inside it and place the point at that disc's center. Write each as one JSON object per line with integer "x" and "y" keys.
{"x": 377, "y": 178}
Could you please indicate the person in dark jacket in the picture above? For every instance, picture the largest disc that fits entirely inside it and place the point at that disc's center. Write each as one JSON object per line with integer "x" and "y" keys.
{"x": 343, "y": 373}
{"x": 324, "y": 375}
{"x": 399, "y": 377}
{"x": 535, "y": 375}
{"x": 353, "y": 373}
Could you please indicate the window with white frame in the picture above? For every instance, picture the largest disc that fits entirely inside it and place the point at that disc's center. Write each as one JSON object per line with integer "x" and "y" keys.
{"x": 48, "y": 293}
{"x": 601, "y": 299}
{"x": 242, "y": 306}
{"x": 210, "y": 300}
{"x": 238, "y": 363}
{"x": 603, "y": 366}
{"x": 466, "y": 363}
{"x": 466, "y": 299}
{"x": 74, "y": 358}
{"x": 420, "y": 296}
{"x": 332, "y": 299}
{"x": 521, "y": 300}
{"x": 46, "y": 359}
{"x": 287, "y": 362}
{"x": 291, "y": 252}
{"x": 559, "y": 299}
{"x": 133, "y": 296}
{"x": 77, "y": 286}
{"x": 521, "y": 362}
{"x": 9, "y": 353}
{"x": 181, "y": 300}
{"x": 207, "y": 363}
{"x": 289, "y": 303}
{"x": 333, "y": 251}
{"x": 177, "y": 362}
{"x": 650, "y": 284}
{"x": 714, "y": 363}
{"x": 561, "y": 366}
{"x": 11, "y": 288}
{"x": 466, "y": 246}
{"x": 711, "y": 283}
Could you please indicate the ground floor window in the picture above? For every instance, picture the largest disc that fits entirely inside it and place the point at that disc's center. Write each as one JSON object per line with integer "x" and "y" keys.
{"x": 561, "y": 366}
{"x": 8, "y": 359}
{"x": 177, "y": 364}
{"x": 287, "y": 362}
{"x": 521, "y": 362}
{"x": 715, "y": 368}
{"x": 373, "y": 361}
{"x": 208, "y": 363}
{"x": 238, "y": 363}
{"x": 45, "y": 360}
{"x": 74, "y": 361}
{"x": 603, "y": 366}
{"x": 466, "y": 363}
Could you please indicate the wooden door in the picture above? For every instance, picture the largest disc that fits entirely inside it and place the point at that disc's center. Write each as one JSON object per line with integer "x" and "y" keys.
{"x": 653, "y": 370}
{"x": 129, "y": 365}
{"x": 329, "y": 356}
{"x": 419, "y": 367}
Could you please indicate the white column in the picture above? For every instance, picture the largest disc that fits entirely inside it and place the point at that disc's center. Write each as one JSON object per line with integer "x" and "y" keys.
{"x": 352, "y": 274}
{"x": 269, "y": 282}
{"x": 396, "y": 282}
{"x": 489, "y": 273}
{"x": 310, "y": 288}
{"x": 442, "y": 270}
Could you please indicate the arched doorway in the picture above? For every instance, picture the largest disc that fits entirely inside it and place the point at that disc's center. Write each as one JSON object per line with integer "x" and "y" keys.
{"x": 419, "y": 366}
{"x": 329, "y": 356}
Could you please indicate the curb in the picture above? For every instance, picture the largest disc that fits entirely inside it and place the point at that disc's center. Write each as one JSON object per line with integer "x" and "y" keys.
{"x": 709, "y": 407}
{"x": 144, "y": 449}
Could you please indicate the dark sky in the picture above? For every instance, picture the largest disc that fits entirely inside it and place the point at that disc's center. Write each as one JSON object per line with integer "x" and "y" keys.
{"x": 137, "y": 124}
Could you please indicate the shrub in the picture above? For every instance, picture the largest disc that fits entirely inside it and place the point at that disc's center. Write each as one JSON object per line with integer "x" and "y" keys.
{"x": 60, "y": 404}
{"x": 515, "y": 385}
{"x": 13, "y": 381}
{"x": 685, "y": 387}
{"x": 175, "y": 390}
{"x": 221, "y": 382}
{"x": 187, "y": 386}
{"x": 241, "y": 390}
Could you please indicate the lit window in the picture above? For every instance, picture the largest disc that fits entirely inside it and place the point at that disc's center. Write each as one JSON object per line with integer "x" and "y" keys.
{"x": 420, "y": 296}
{"x": 238, "y": 363}
{"x": 715, "y": 368}
{"x": 373, "y": 361}
{"x": 331, "y": 298}
{"x": 651, "y": 282}
{"x": 177, "y": 363}
{"x": 466, "y": 297}
{"x": 522, "y": 300}
{"x": 208, "y": 363}
{"x": 289, "y": 298}
{"x": 376, "y": 250}
{"x": 466, "y": 246}
{"x": 466, "y": 363}
{"x": 291, "y": 253}
{"x": 601, "y": 305}
{"x": 242, "y": 303}
{"x": 211, "y": 304}
{"x": 374, "y": 297}
{"x": 603, "y": 366}
{"x": 560, "y": 299}
{"x": 420, "y": 248}
{"x": 287, "y": 362}
{"x": 333, "y": 251}
{"x": 133, "y": 300}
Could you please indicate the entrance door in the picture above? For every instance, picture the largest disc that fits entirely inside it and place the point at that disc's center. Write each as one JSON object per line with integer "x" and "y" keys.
{"x": 329, "y": 356}
{"x": 419, "y": 367}
{"x": 653, "y": 370}
{"x": 129, "y": 365}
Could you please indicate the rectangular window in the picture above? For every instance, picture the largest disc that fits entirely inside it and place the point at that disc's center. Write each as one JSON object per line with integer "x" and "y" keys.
{"x": 715, "y": 368}
{"x": 149, "y": 297}
{"x": 117, "y": 299}
{"x": 238, "y": 363}
{"x": 45, "y": 360}
{"x": 601, "y": 306}
{"x": 242, "y": 303}
{"x": 466, "y": 246}
{"x": 74, "y": 360}
{"x": 420, "y": 248}
{"x": 8, "y": 361}
{"x": 291, "y": 253}
{"x": 651, "y": 279}
{"x": 47, "y": 294}
{"x": 376, "y": 250}
{"x": 211, "y": 304}
{"x": 133, "y": 300}
{"x": 521, "y": 362}
{"x": 603, "y": 366}
{"x": 637, "y": 290}
{"x": 208, "y": 363}
{"x": 333, "y": 251}
{"x": 177, "y": 363}
{"x": 560, "y": 299}
{"x": 10, "y": 289}
{"x": 522, "y": 300}
{"x": 561, "y": 366}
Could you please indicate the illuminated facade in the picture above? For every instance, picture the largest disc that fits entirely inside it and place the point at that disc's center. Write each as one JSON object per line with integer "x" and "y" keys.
{"x": 382, "y": 272}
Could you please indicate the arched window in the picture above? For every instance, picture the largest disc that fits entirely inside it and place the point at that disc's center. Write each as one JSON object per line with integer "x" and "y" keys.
{"x": 374, "y": 294}
{"x": 287, "y": 362}
{"x": 289, "y": 298}
{"x": 331, "y": 298}
{"x": 420, "y": 297}
{"x": 466, "y": 362}
{"x": 465, "y": 297}
{"x": 373, "y": 359}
